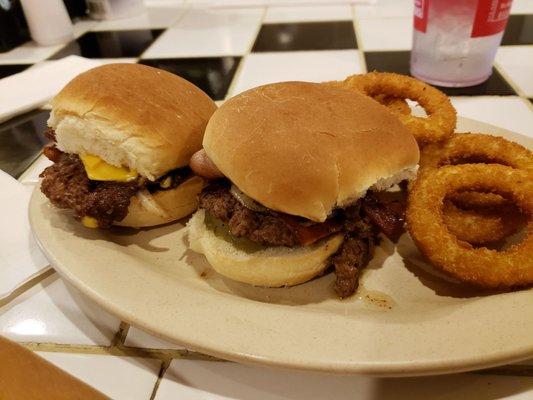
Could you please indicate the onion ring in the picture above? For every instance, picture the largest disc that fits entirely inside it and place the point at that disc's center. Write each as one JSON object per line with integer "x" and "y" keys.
{"x": 482, "y": 226}
{"x": 474, "y": 148}
{"x": 479, "y": 201}
{"x": 442, "y": 117}
{"x": 478, "y": 218}
{"x": 483, "y": 267}
{"x": 395, "y": 104}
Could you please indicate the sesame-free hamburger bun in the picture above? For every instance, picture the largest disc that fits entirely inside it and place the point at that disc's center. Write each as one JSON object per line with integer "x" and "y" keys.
{"x": 305, "y": 148}
{"x": 140, "y": 119}
{"x": 302, "y": 149}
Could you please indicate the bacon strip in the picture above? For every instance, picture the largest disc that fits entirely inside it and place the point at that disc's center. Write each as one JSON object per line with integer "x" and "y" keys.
{"x": 309, "y": 234}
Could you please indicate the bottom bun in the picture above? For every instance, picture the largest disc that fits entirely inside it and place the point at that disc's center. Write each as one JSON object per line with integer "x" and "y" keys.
{"x": 147, "y": 209}
{"x": 273, "y": 267}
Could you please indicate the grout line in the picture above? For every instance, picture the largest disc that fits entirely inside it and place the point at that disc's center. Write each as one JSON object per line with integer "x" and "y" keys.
{"x": 238, "y": 70}
{"x": 29, "y": 283}
{"x": 102, "y": 350}
{"x": 164, "y": 366}
{"x": 259, "y": 26}
{"x": 119, "y": 350}
{"x": 121, "y": 334}
{"x": 166, "y": 356}
{"x": 508, "y": 79}
{"x": 236, "y": 75}
{"x": 529, "y": 104}
{"x": 358, "y": 40}
{"x": 519, "y": 92}
{"x": 186, "y": 8}
{"x": 26, "y": 171}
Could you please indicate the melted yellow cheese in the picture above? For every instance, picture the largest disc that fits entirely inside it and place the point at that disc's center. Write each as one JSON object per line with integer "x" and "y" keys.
{"x": 89, "y": 222}
{"x": 98, "y": 170}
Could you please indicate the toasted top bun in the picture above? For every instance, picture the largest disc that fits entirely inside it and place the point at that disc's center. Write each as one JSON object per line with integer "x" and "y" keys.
{"x": 306, "y": 148}
{"x": 132, "y": 115}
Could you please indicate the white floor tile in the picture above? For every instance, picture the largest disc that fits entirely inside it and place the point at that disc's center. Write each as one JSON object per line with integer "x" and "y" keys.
{"x": 82, "y": 26}
{"x": 20, "y": 257}
{"x": 100, "y": 60}
{"x": 154, "y": 17}
{"x": 164, "y": 3}
{"x": 53, "y": 313}
{"x": 273, "y": 3}
{"x": 126, "y": 378}
{"x": 139, "y": 338}
{"x": 517, "y": 63}
{"x": 203, "y": 33}
{"x": 385, "y": 34}
{"x": 522, "y": 7}
{"x": 28, "y": 53}
{"x": 308, "y": 14}
{"x": 385, "y": 9}
{"x": 509, "y": 112}
{"x": 314, "y": 66}
{"x": 221, "y": 380}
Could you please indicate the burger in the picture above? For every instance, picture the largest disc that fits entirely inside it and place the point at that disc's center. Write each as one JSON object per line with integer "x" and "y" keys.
{"x": 121, "y": 140}
{"x": 299, "y": 178}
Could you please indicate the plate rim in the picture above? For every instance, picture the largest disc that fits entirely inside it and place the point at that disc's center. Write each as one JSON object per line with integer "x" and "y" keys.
{"x": 395, "y": 369}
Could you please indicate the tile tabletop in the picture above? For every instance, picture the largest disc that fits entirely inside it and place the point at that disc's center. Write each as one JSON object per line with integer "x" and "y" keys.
{"x": 224, "y": 51}
{"x": 305, "y": 36}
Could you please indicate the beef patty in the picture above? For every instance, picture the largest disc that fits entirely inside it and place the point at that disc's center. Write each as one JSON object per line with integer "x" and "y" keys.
{"x": 267, "y": 228}
{"x": 66, "y": 184}
{"x": 360, "y": 224}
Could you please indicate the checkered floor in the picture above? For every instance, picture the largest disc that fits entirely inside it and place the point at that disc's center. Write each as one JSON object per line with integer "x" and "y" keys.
{"x": 226, "y": 51}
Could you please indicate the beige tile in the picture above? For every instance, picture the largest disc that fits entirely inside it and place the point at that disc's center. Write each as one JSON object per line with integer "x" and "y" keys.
{"x": 339, "y": 12}
{"x": 204, "y": 33}
{"x": 52, "y": 312}
{"x": 517, "y": 63}
{"x": 509, "y": 112}
{"x": 315, "y": 66}
{"x": 385, "y": 34}
{"x": 127, "y": 378}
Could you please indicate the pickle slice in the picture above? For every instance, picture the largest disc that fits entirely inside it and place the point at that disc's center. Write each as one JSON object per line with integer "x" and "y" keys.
{"x": 221, "y": 230}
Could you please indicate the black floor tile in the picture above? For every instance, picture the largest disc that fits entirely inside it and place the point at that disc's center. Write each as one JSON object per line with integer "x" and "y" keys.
{"x": 212, "y": 75}
{"x": 398, "y": 61}
{"x": 388, "y": 61}
{"x": 306, "y": 36}
{"x": 496, "y": 85}
{"x": 21, "y": 141}
{"x": 10, "y": 69}
{"x": 519, "y": 30}
{"x": 110, "y": 44}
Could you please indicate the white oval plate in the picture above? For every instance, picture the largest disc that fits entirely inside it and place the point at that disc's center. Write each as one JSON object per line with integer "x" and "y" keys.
{"x": 404, "y": 321}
